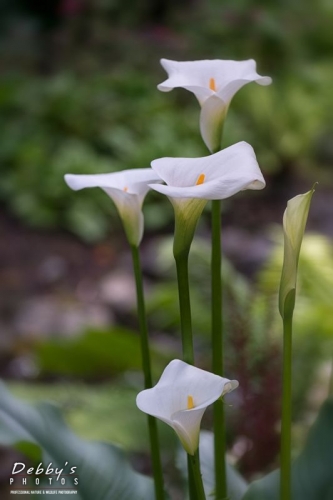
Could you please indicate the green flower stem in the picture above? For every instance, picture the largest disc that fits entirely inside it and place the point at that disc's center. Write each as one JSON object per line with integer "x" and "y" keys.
{"x": 285, "y": 478}
{"x": 191, "y": 481}
{"x": 194, "y": 466}
{"x": 187, "y": 337}
{"x": 217, "y": 344}
{"x": 187, "y": 214}
{"x": 152, "y": 426}
{"x": 181, "y": 259}
{"x": 185, "y": 307}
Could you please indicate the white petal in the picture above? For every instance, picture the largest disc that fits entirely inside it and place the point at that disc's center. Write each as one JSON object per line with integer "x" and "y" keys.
{"x": 127, "y": 189}
{"x": 135, "y": 181}
{"x": 168, "y": 400}
{"x": 187, "y": 423}
{"x": 212, "y": 116}
{"x": 226, "y": 172}
{"x": 231, "y": 88}
{"x": 187, "y": 426}
{"x": 129, "y": 209}
{"x": 188, "y": 75}
{"x": 230, "y": 386}
{"x": 178, "y": 381}
{"x": 196, "y": 75}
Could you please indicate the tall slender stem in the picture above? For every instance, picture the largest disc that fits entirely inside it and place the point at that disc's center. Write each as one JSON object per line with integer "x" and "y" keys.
{"x": 285, "y": 478}
{"x": 187, "y": 213}
{"x": 194, "y": 463}
{"x": 187, "y": 342}
{"x": 192, "y": 489}
{"x": 185, "y": 307}
{"x": 146, "y": 364}
{"x": 217, "y": 344}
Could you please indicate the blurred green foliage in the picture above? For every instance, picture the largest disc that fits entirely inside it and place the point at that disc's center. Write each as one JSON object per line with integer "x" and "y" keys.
{"x": 101, "y": 124}
{"x": 313, "y": 329}
{"x": 78, "y": 94}
{"x": 95, "y": 355}
{"x": 100, "y": 412}
{"x": 315, "y": 457}
{"x": 251, "y": 308}
{"x": 253, "y": 329}
{"x": 94, "y": 107}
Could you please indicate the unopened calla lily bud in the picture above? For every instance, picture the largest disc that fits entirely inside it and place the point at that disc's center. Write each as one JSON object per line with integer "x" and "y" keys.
{"x": 294, "y": 222}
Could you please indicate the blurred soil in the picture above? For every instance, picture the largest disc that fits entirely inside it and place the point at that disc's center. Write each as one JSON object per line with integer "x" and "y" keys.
{"x": 48, "y": 286}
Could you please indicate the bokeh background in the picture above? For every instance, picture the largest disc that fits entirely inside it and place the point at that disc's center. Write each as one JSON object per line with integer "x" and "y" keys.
{"x": 78, "y": 94}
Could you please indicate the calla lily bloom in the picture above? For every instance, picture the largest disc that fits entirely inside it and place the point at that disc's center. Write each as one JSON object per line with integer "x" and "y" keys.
{"x": 213, "y": 177}
{"x": 214, "y": 83}
{"x": 190, "y": 182}
{"x": 181, "y": 397}
{"x": 127, "y": 189}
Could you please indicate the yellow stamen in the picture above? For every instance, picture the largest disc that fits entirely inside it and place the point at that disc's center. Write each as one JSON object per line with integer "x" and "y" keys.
{"x": 201, "y": 179}
{"x": 190, "y": 402}
{"x": 125, "y": 189}
{"x": 212, "y": 84}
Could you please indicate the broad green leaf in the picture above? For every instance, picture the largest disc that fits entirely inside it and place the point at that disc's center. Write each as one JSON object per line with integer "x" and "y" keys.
{"x": 95, "y": 354}
{"x": 236, "y": 484}
{"x": 82, "y": 405}
{"x": 31, "y": 450}
{"x": 312, "y": 476}
{"x": 294, "y": 222}
{"x": 102, "y": 469}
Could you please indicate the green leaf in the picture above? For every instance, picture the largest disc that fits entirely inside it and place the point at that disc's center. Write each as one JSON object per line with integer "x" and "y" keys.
{"x": 236, "y": 484}
{"x": 82, "y": 405}
{"x": 31, "y": 450}
{"x": 102, "y": 469}
{"x": 94, "y": 354}
{"x": 294, "y": 222}
{"x": 312, "y": 477}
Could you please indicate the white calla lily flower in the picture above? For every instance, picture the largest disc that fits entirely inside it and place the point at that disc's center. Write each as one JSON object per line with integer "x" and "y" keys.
{"x": 181, "y": 397}
{"x": 213, "y": 177}
{"x": 127, "y": 189}
{"x": 190, "y": 182}
{"x": 214, "y": 83}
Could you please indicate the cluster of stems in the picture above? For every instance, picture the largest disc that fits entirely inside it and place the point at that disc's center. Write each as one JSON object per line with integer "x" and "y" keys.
{"x": 181, "y": 255}
{"x": 184, "y": 232}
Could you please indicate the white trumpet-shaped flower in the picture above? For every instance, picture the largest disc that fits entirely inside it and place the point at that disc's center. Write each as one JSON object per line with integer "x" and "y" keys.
{"x": 213, "y": 177}
{"x": 190, "y": 182}
{"x": 181, "y": 397}
{"x": 214, "y": 83}
{"x": 127, "y": 189}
